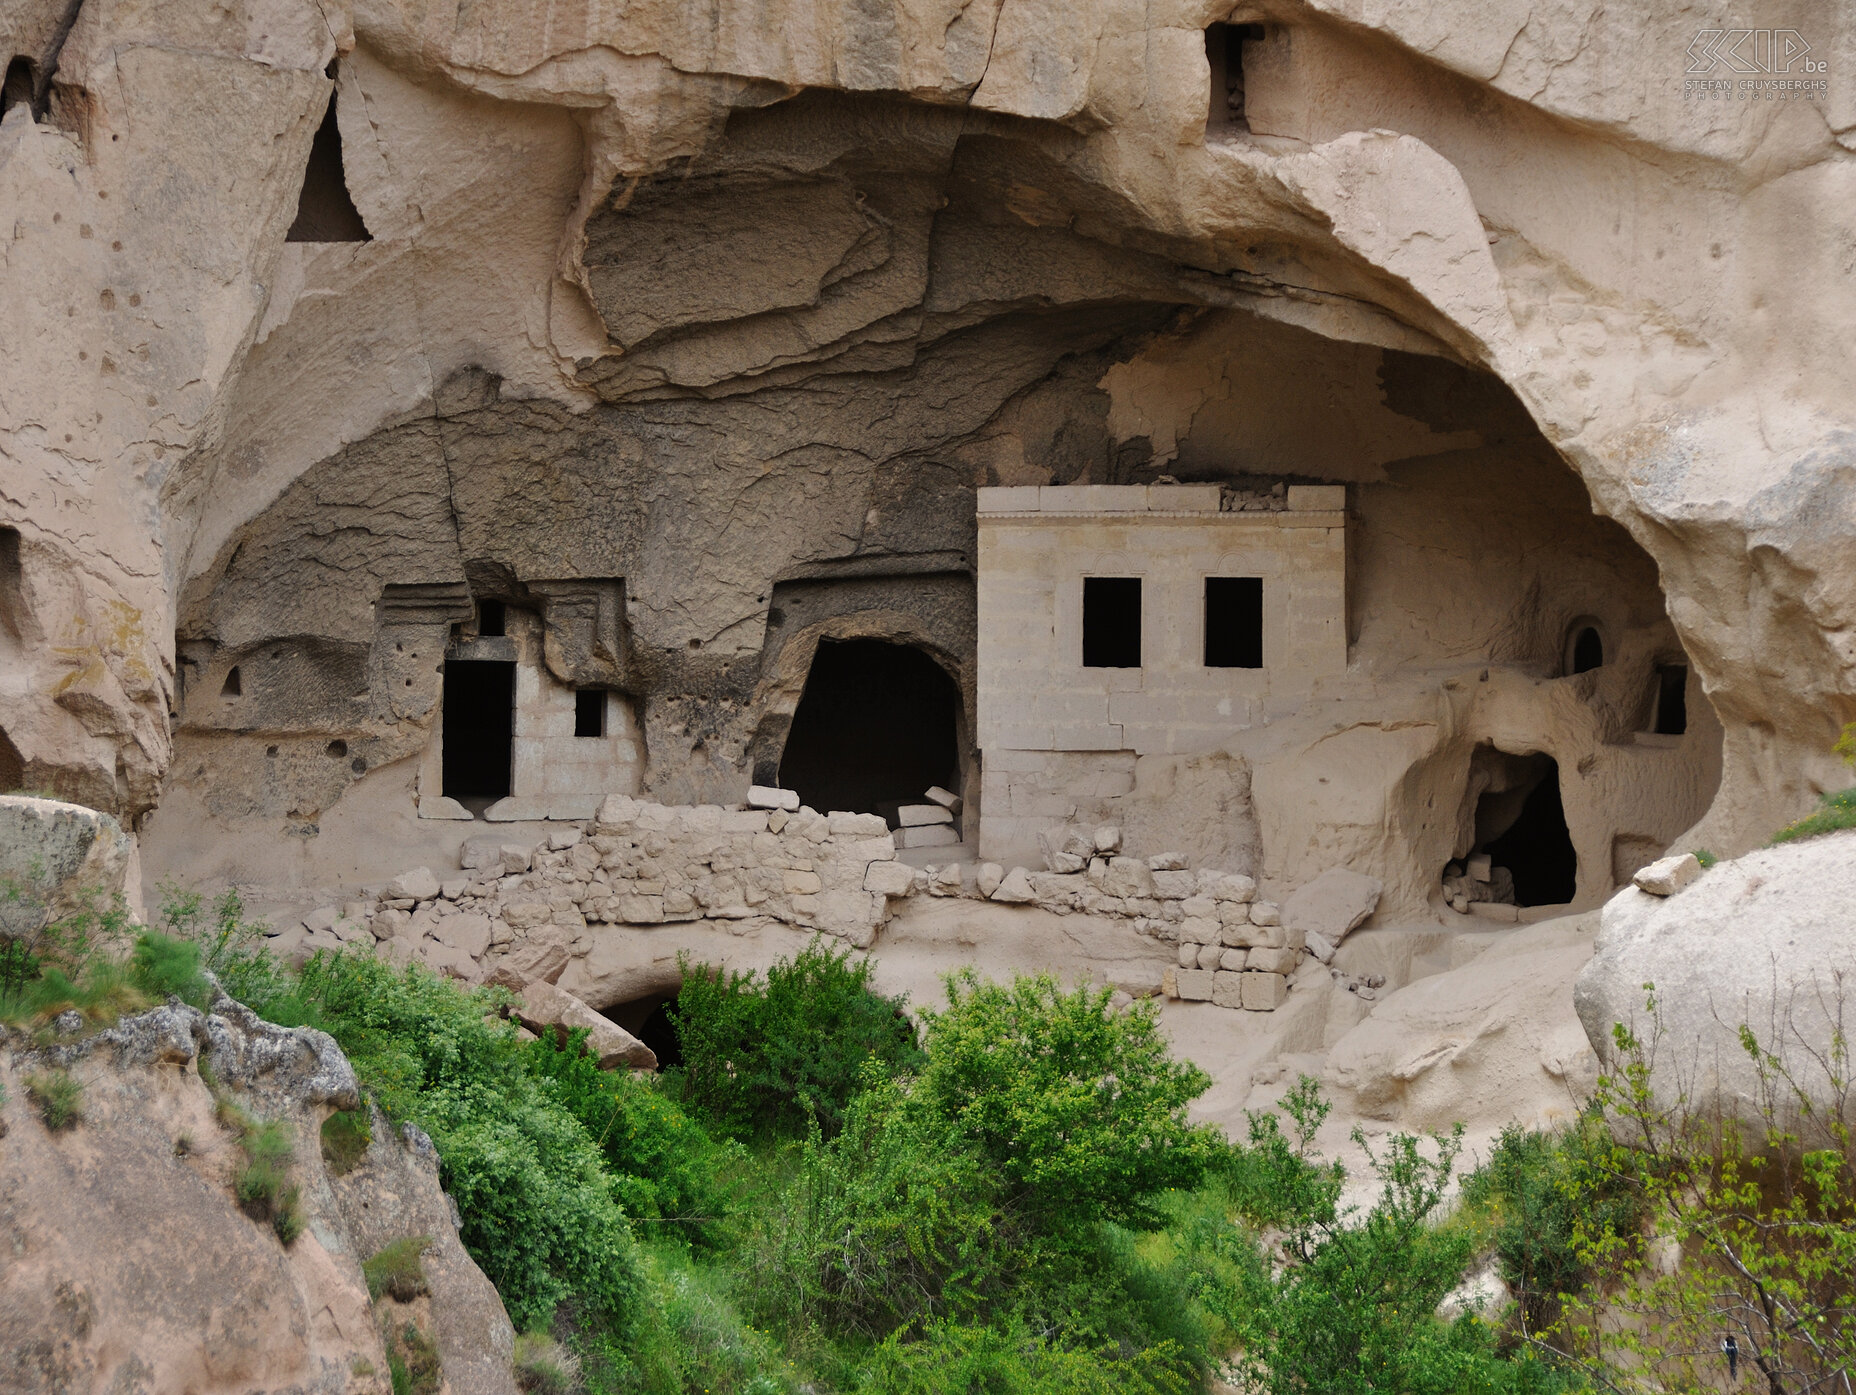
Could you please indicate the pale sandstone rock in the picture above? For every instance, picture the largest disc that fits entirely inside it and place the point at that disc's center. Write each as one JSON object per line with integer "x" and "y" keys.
{"x": 947, "y": 799}
{"x": 1014, "y": 888}
{"x": 990, "y": 875}
{"x": 889, "y": 879}
{"x": 1263, "y": 992}
{"x": 1667, "y": 876}
{"x": 1194, "y": 985}
{"x": 768, "y": 797}
{"x": 543, "y": 1008}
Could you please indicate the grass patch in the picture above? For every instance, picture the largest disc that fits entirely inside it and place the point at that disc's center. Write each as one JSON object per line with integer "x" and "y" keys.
{"x": 395, "y": 1270}
{"x": 1834, "y": 813}
{"x": 346, "y": 1135}
{"x": 263, "y": 1186}
{"x": 412, "y": 1361}
{"x": 545, "y": 1367}
{"x": 59, "y": 1096}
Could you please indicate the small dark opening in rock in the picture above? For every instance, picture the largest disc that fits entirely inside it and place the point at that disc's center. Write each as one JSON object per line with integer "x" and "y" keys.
{"x": 233, "y": 686}
{"x": 1224, "y": 49}
{"x": 1234, "y": 622}
{"x": 648, "y": 1019}
{"x": 12, "y": 765}
{"x": 1588, "y": 650}
{"x": 1111, "y": 622}
{"x": 478, "y": 728}
{"x": 1671, "y": 700}
{"x": 1536, "y": 846}
{"x": 338, "y": 748}
{"x": 324, "y": 210}
{"x": 590, "y": 712}
{"x": 19, "y": 85}
{"x": 491, "y": 618}
{"x": 876, "y": 723}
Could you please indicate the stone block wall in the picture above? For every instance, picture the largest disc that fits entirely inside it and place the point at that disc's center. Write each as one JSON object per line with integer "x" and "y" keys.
{"x": 1040, "y": 709}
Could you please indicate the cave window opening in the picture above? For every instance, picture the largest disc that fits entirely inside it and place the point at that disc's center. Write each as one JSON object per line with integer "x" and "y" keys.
{"x": 1586, "y": 651}
{"x": 19, "y": 85}
{"x": 1671, "y": 714}
{"x": 1224, "y": 49}
{"x": 12, "y": 585}
{"x": 12, "y": 764}
{"x": 876, "y": 724}
{"x": 492, "y": 620}
{"x": 478, "y": 728}
{"x": 649, "y": 1019}
{"x": 1234, "y": 622}
{"x": 1524, "y": 830}
{"x": 233, "y": 686}
{"x": 590, "y": 712}
{"x": 324, "y": 210}
{"x": 1111, "y": 622}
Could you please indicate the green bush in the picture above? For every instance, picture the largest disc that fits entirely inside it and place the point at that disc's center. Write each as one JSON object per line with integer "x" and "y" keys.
{"x": 664, "y": 1165}
{"x": 413, "y": 1364}
{"x": 952, "y": 1359}
{"x": 346, "y": 1135}
{"x": 765, "y": 1057}
{"x": 165, "y": 967}
{"x": 395, "y": 1270}
{"x": 544, "y": 1367}
{"x": 540, "y": 1217}
{"x": 1081, "y": 1110}
{"x": 1324, "y": 1303}
{"x": 59, "y": 1096}
{"x": 229, "y": 946}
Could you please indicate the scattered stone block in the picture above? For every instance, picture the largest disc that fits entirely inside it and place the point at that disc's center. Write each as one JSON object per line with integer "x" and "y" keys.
{"x": 481, "y": 854}
{"x": 1320, "y": 946}
{"x": 562, "y": 839}
{"x": 918, "y": 815}
{"x": 1333, "y": 904}
{"x": 1263, "y": 992}
{"x": 466, "y": 930}
{"x": 930, "y": 836}
{"x": 454, "y": 888}
{"x": 991, "y": 874}
{"x": 944, "y": 881}
{"x": 889, "y": 878}
{"x": 770, "y": 797}
{"x": 1666, "y": 876}
{"x": 436, "y": 806}
{"x": 517, "y": 858}
{"x": 1016, "y": 888}
{"x": 1107, "y": 839}
{"x": 543, "y": 1008}
{"x": 1210, "y": 956}
{"x": 1167, "y": 862}
{"x": 1194, "y": 985}
{"x": 640, "y": 910}
{"x": 1188, "y": 955}
{"x": 1478, "y": 867}
{"x": 542, "y": 957}
{"x": 842, "y": 825}
{"x": 947, "y": 799}
{"x": 1200, "y": 930}
{"x": 416, "y": 885}
{"x": 1064, "y": 863}
{"x": 322, "y": 918}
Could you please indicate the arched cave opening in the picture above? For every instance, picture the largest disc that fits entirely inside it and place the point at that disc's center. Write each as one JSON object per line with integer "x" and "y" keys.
{"x": 324, "y": 210}
{"x": 478, "y": 728}
{"x": 19, "y": 85}
{"x": 877, "y": 723}
{"x": 648, "y": 1019}
{"x": 1521, "y": 850}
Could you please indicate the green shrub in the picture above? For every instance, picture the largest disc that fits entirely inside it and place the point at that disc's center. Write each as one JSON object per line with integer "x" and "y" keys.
{"x": 664, "y": 1165}
{"x": 229, "y": 946}
{"x": 412, "y": 1361}
{"x": 67, "y": 963}
{"x": 539, "y": 1213}
{"x": 165, "y": 967}
{"x": 395, "y": 1270}
{"x": 346, "y": 1135}
{"x": 1323, "y": 1302}
{"x": 59, "y": 1096}
{"x": 764, "y": 1057}
{"x": 1539, "y": 1193}
{"x": 952, "y": 1359}
{"x": 544, "y": 1367}
{"x": 1082, "y": 1110}
{"x": 691, "y": 1337}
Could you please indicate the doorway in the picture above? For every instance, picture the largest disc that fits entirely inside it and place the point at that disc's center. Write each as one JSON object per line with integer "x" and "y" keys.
{"x": 479, "y": 728}
{"x": 1523, "y": 828}
{"x": 877, "y": 723}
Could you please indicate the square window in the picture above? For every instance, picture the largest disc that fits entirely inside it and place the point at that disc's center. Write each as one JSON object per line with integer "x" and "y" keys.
{"x": 590, "y": 712}
{"x": 490, "y": 619}
{"x": 1234, "y": 622}
{"x": 1111, "y": 622}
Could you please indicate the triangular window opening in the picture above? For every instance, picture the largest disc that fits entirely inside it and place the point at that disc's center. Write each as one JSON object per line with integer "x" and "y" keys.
{"x": 324, "y": 211}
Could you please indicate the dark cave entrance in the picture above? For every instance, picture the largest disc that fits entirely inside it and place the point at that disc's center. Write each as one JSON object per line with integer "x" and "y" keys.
{"x": 479, "y": 727}
{"x": 325, "y": 211}
{"x": 877, "y": 723}
{"x": 1523, "y": 828}
{"x": 648, "y": 1019}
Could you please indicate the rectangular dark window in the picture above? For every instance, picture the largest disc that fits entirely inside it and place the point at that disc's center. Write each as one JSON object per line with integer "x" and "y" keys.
{"x": 590, "y": 712}
{"x": 1234, "y": 622}
{"x": 1671, "y": 700}
{"x": 478, "y": 727}
{"x": 490, "y": 618}
{"x": 1111, "y": 622}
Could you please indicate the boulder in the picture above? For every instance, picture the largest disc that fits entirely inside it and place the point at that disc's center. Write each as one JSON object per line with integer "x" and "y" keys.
{"x": 416, "y": 885}
{"x": 1332, "y": 904}
{"x": 889, "y": 878}
{"x": 1016, "y": 888}
{"x": 1666, "y": 876}
{"x": 991, "y": 874}
{"x": 60, "y": 856}
{"x": 543, "y": 1008}
{"x": 1767, "y": 940}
